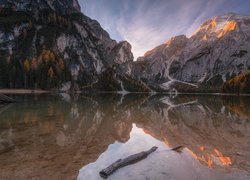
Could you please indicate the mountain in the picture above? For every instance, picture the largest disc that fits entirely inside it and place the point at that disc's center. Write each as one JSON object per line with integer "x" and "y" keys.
{"x": 218, "y": 51}
{"x": 50, "y": 44}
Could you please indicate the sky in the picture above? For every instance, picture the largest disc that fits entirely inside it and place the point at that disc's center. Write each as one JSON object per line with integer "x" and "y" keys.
{"x": 146, "y": 24}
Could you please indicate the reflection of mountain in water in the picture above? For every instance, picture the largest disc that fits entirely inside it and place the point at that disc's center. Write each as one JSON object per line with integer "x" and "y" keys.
{"x": 215, "y": 134}
{"x": 55, "y": 138}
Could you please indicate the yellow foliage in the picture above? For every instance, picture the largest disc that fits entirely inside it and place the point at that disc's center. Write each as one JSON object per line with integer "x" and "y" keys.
{"x": 40, "y": 60}
{"x": 46, "y": 57}
{"x": 51, "y": 72}
{"x": 61, "y": 64}
{"x": 238, "y": 84}
{"x": 26, "y": 65}
{"x": 33, "y": 63}
{"x": 51, "y": 56}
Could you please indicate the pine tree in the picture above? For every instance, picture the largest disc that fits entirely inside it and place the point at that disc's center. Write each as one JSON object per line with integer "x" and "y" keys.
{"x": 51, "y": 72}
{"x": 33, "y": 64}
{"x": 61, "y": 64}
{"x": 26, "y": 65}
{"x": 46, "y": 57}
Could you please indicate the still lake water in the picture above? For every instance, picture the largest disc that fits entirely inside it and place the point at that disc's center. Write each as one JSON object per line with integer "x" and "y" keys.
{"x": 74, "y": 137}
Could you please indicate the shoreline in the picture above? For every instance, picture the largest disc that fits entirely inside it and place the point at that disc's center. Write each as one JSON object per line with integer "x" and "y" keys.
{"x": 23, "y": 91}
{"x": 179, "y": 93}
{"x": 40, "y": 91}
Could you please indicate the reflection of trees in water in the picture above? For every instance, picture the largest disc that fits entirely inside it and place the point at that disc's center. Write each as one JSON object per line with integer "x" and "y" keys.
{"x": 238, "y": 105}
{"x": 85, "y": 126}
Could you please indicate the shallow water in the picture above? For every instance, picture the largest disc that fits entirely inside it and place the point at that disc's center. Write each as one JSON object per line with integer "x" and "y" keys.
{"x": 69, "y": 137}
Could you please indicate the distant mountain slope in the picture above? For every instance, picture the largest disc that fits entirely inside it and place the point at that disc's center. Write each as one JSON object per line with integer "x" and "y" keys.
{"x": 216, "y": 52}
{"x": 50, "y": 44}
{"x": 46, "y": 43}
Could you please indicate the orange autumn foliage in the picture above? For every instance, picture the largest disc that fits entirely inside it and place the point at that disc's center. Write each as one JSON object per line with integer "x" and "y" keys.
{"x": 239, "y": 84}
{"x": 51, "y": 72}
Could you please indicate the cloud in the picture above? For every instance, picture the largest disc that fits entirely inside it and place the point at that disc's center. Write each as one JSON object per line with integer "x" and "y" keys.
{"x": 149, "y": 23}
{"x": 150, "y": 28}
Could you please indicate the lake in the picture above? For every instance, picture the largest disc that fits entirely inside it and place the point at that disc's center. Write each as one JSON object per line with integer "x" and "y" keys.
{"x": 74, "y": 137}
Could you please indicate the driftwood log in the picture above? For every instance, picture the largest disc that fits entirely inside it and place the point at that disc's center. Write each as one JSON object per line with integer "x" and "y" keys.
{"x": 130, "y": 160}
{"x": 124, "y": 162}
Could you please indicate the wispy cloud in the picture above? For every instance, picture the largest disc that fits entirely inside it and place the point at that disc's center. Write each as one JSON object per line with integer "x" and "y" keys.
{"x": 147, "y": 24}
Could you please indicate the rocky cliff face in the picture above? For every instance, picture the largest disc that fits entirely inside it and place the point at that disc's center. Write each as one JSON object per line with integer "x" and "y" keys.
{"x": 51, "y": 44}
{"x": 62, "y": 6}
{"x": 216, "y": 52}
{"x": 46, "y": 43}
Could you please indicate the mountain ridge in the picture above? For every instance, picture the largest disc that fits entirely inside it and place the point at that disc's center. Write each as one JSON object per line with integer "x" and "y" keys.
{"x": 216, "y": 52}
{"x": 50, "y": 44}
{"x": 47, "y": 43}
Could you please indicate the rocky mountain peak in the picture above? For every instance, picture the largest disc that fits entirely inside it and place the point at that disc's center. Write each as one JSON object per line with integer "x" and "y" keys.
{"x": 176, "y": 41}
{"x": 168, "y": 49}
{"x": 76, "y": 5}
{"x": 52, "y": 44}
{"x": 220, "y": 26}
{"x": 58, "y": 6}
{"x": 121, "y": 53}
{"x": 216, "y": 52}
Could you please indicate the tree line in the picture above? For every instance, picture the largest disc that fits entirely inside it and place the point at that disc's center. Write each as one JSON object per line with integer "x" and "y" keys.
{"x": 240, "y": 84}
{"x": 45, "y": 71}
